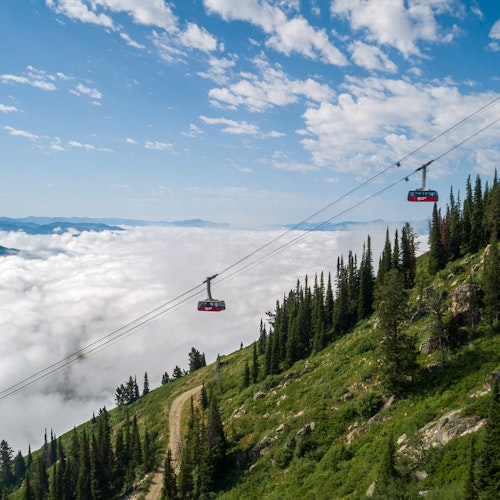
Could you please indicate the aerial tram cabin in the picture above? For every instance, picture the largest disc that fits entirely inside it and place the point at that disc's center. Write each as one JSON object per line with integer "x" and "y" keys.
{"x": 210, "y": 304}
{"x": 423, "y": 194}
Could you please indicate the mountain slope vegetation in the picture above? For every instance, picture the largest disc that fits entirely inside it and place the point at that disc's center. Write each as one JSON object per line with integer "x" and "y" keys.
{"x": 358, "y": 386}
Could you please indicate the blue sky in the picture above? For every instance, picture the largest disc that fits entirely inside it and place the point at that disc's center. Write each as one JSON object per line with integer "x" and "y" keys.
{"x": 241, "y": 111}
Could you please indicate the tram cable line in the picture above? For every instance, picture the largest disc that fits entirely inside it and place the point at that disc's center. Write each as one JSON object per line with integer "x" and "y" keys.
{"x": 176, "y": 302}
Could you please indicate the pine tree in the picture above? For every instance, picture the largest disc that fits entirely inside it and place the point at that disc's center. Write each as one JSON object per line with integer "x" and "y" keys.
{"x": 488, "y": 476}
{"x": 490, "y": 283}
{"x": 366, "y": 282}
{"x": 255, "y": 364}
{"x": 145, "y": 389}
{"x": 476, "y": 240}
{"x": 177, "y": 373}
{"x": 435, "y": 302}
{"x": 492, "y": 212}
{"x": 203, "y": 397}
{"x": 169, "y": 491}
{"x": 467, "y": 216}
{"x": 437, "y": 253}
{"x": 6, "y": 474}
{"x": 246, "y": 376}
{"x": 19, "y": 468}
{"x": 396, "y": 258}
{"x": 455, "y": 238}
{"x": 408, "y": 256}
{"x": 397, "y": 351}
{"x": 262, "y": 338}
{"x": 329, "y": 304}
{"x": 216, "y": 439}
{"x": 385, "y": 261}
{"x": 165, "y": 378}
{"x": 470, "y": 480}
{"x": 84, "y": 487}
{"x": 41, "y": 483}
{"x": 387, "y": 473}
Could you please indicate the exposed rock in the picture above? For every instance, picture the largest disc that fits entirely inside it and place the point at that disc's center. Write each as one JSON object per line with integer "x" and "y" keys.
{"x": 464, "y": 302}
{"x": 259, "y": 395}
{"x": 281, "y": 428}
{"x": 489, "y": 379}
{"x": 371, "y": 490}
{"x": 307, "y": 429}
{"x": 449, "y": 426}
{"x": 421, "y": 475}
{"x": 262, "y": 448}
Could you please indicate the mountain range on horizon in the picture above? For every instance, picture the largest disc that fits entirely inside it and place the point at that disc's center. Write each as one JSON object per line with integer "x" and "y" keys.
{"x": 53, "y": 225}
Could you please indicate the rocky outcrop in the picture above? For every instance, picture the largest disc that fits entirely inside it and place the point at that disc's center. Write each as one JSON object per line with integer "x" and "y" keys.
{"x": 441, "y": 431}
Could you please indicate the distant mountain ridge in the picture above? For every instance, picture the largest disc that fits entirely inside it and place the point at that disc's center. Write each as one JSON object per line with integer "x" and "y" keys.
{"x": 50, "y": 225}
{"x": 54, "y": 225}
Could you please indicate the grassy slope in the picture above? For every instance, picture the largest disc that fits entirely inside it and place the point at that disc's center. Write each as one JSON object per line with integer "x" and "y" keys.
{"x": 338, "y": 390}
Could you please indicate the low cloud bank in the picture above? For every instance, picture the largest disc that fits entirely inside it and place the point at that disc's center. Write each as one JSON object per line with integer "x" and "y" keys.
{"x": 64, "y": 292}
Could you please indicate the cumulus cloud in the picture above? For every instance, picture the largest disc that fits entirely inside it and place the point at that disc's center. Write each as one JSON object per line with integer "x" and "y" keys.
{"x": 21, "y": 133}
{"x": 396, "y": 23}
{"x": 268, "y": 87}
{"x": 7, "y": 109}
{"x": 147, "y": 12}
{"x": 376, "y": 121}
{"x": 64, "y": 292}
{"x": 34, "y": 77}
{"x": 284, "y": 35}
{"x": 232, "y": 126}
{"x": 158, "y": 145}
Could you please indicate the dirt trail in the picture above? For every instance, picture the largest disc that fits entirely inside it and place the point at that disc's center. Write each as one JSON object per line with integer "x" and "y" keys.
{"x": 174, "y": 441}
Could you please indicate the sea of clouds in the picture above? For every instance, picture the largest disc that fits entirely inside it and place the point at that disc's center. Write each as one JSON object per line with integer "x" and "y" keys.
{"x": 63, "y": 292}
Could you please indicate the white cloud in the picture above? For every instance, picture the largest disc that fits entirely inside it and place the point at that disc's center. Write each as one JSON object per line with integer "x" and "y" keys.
{"x": 371, "y": 57}
{"x": 232, "y": 126}
{"x": 34, "y": 77}
{"x": 495, "y": 31}
{"x": 284, "y": 35}
{"x": 7, "y": 109}
{"x": 395, "y": 23}
{"x": 88, "y": 91}
{"x": 21, "y": 133}
{"x": 376, "y": 121}
{"x": 195, "y": 37}
{"x": 76, "y": 9}
{"x": 267, "y": 88}
{"x": 145, "y": 12}
{"x": 158, "y": 145}
{"x": 131, "y": 42}
{"x": 218, "y": 69}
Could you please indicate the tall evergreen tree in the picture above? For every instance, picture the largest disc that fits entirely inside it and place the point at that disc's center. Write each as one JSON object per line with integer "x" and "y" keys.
{"x": 397, "y": 350}
{"x": 455, "y": 233}
{"x": 6, "y": 473}
{"x": 408, "y": 255}
{"x": 366, "y": 282}
{"x": 488, "y": 476}
{"x": 84, "y": 486}
{"x": 490, "y": 283}
{"x": 169, "y": 491}
{"x": 385, "y": 262}
{"x": 476, "y": 240}
{"x": 467, "y": 216}
{"x": 145, "y": 389}
{"x": 437, "y": 253}
{"x": 255, "y": 364}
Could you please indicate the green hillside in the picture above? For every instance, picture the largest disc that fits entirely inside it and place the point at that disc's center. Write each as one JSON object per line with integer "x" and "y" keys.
{"x": 339, "y": 416}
